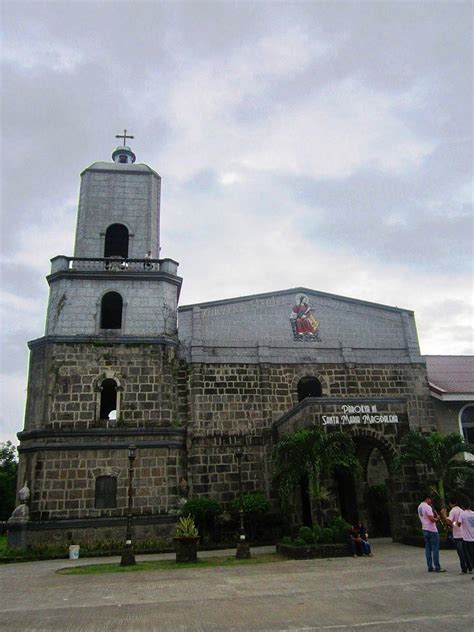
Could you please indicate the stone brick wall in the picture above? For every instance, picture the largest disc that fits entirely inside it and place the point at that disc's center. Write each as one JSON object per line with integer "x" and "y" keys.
{"x": 160, "y": 528}
{"x": 247, "y": 398}
{"x": 63, "y": 482}
{"x": 63, "y": 390}
{"x": 218, "y": 406}
{"x": 238, "y": 404}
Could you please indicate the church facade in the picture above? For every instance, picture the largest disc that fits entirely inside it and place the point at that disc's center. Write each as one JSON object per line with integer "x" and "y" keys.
{"x": 121, "y": 364}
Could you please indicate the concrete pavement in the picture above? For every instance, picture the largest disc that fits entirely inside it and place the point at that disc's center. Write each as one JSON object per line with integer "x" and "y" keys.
{"x": 392, "y": 591}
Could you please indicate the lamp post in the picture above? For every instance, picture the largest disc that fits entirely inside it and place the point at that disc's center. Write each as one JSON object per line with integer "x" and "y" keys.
{"x": 128, "y": 557}
{"x": 243, "y": 549}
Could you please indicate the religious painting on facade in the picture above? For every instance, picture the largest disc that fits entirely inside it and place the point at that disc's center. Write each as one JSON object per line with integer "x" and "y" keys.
{"x": 303, "y": 322}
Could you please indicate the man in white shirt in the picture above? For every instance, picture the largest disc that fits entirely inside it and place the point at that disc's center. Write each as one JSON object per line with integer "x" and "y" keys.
{"x": 428, "y": 520}
{"x": 452, "y": 519}
{"x": 466, "y": 522}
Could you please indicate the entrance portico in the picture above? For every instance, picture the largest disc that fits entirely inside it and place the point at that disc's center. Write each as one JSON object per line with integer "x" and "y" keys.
{"x": 376, "y": 426}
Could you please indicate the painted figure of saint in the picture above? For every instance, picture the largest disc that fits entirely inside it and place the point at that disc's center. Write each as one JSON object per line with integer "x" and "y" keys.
{"x": 304, "y": 324}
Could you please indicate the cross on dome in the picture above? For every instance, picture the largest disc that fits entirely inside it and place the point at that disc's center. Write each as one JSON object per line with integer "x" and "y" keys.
{"x": 124, "y": 136}
{"x": 123, "y": 154}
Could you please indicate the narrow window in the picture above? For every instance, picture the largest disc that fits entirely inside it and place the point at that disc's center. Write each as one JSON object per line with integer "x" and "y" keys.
{"x": 116, "y": 241}
{"x": 467, "y": 423}
{"x": 108, "y": 399}
{"x": 309, "y": 387}
{"x": 105, "y": 492}
{"x": 111, "y": 311}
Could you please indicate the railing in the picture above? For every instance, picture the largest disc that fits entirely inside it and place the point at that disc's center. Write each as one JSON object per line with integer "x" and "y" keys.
{"x": 112, "y": 264}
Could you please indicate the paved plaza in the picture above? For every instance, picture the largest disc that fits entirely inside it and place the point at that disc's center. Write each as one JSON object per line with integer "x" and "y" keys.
{"x": 391, "y": 591}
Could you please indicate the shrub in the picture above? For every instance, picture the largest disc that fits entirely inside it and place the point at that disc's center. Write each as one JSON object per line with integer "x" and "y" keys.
{"x": 317, "y": 532}
{"x": 252, "y": 503}
{"x": 306, "y": 534}
{"x": 340, "y": 529}
{"x": 327, "y": 536}
{"x": 255, "y": 507}
{"x": 202, "y": 509}
{"x": 298, "y": 542}
{"x": 287, "y": 539}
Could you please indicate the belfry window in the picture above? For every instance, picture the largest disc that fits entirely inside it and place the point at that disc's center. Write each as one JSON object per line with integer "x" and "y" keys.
{"x": 111, "y": 311}
{"x": 309, "y": 387}
{"x": 116, "y": 241}
{"x": 105, "y": 492}
{"x": 108, "y": 399}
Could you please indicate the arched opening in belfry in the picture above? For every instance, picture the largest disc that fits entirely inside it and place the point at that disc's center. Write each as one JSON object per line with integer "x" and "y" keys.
{"x": 108, "y": 399}
{"x": 309, "y": 387}
{"x": 116, "y": 241}
{"x": 111, "y": 311}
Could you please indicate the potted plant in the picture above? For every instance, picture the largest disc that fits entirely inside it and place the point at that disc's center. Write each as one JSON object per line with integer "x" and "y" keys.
{"x": 186, "y": 540}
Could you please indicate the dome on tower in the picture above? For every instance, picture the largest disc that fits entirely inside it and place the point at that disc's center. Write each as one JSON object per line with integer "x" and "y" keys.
{"x": 123, "y": 154}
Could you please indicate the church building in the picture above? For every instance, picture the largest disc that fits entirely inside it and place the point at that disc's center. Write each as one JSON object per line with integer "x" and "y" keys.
{"x": 120, "y": 363}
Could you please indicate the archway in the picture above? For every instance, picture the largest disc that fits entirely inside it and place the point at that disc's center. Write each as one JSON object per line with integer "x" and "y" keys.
{"x": 309, "y": 386}
{"x": 367, "y": 497}
{"x": 116, "y": 241}
{"x": 108, "y": 399}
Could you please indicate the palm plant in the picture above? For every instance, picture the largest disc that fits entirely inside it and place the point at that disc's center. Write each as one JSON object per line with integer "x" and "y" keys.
{"x": 442, "y": 454}
{"x": 312, "y": 454}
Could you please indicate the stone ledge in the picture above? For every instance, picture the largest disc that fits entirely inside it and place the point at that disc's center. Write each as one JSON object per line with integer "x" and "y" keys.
{"x": 119, "y": 445}
{"x": 312, "y": 551}
{"x": 46, "y": 433}
{"x": 77, "y": 523}
{"x": 104, "y": 340}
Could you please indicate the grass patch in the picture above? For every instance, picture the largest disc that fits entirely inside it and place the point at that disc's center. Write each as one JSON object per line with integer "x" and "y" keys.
{"x": 170, "y": 565}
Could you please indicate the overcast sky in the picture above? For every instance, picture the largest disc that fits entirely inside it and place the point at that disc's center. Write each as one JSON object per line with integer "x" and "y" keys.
{"x": 317, "y": 144}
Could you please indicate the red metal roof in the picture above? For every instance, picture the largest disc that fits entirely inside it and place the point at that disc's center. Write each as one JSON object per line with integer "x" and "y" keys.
{"x": 450, "y": 374}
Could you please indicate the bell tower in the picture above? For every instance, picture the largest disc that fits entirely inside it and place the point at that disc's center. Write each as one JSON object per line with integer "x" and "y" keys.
{"x": 104, "y": 375}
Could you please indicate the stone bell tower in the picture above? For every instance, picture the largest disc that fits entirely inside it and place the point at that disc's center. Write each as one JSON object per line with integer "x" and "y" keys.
{"x": 115, "y": 285}
{"x": 104, "y": 375}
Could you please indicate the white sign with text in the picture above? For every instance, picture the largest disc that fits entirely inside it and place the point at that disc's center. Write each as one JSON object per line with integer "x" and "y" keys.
{"x": 359, "y": 414}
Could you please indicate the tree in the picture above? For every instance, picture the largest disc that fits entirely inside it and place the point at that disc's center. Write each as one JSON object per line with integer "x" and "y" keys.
{"x": 312, "y": 454}
{"x": 8, "y": 471}
{"x": 443, "y": 456}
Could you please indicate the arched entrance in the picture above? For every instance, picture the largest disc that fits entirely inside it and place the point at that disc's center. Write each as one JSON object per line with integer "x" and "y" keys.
{"x": 366, "y": 497}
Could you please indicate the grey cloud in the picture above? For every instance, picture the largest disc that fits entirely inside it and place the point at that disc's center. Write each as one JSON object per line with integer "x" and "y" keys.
{"x": 127, "y": 57}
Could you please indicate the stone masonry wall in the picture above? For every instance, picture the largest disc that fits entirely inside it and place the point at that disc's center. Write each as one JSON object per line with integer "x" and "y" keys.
{"x": 236, "y": 404}
{"x": 63, "y": 482}
{"x": 63, "y": 391}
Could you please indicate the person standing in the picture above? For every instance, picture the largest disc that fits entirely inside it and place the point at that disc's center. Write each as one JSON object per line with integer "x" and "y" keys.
{"x": 453, "y": 519}
{"x": 466, "y": 522}
{"x": 428, "y": 519}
